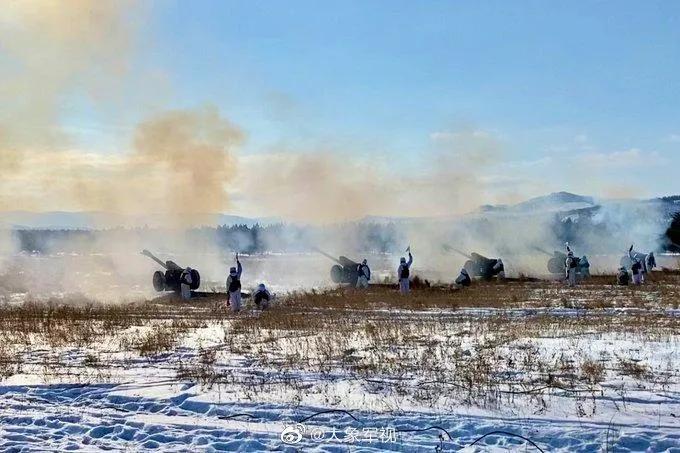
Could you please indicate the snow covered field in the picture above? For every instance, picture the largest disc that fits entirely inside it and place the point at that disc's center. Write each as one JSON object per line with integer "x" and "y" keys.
{"x": 532, "y": 365}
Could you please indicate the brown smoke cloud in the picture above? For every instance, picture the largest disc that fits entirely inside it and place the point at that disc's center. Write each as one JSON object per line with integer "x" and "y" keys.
{"x": 187, "y": 158}
{"x": 53, "y": 49}
{"x": 325, "y": 187}
{"x": 321, "y": 187}
{"x": 178, "y": 167}
{"x": 179, "y": 161}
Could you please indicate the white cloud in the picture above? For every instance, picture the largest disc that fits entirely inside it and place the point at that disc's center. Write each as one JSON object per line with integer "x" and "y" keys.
{"x": 581, "y": 138}
{"x": 633, "y": 157}
{"x": 453, "y": 137}
{"x": 527, "y": 164}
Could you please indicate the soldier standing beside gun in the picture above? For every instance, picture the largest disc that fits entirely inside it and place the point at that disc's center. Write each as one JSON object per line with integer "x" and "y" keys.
{"x": 571, "y": 264}
{"x": 499, "y": 269}
{"x": 185, "y": 283}
{"x": 584, "y": 267}
{"x": 650, "y": 261}
{"x": 650, "y": 264}
{"x": 636, "y": 269}
{"x": 638, "y": 266}
{"x": 403, "y": 272}
{"x": 364, "y": 274}
{"x": 234, "y": 286}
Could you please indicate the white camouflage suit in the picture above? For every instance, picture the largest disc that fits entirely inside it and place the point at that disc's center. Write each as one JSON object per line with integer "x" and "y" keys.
{"x": 185, "y": 283}
{"x": 404, "y": 284}
{"x": 235, "y": 296}
{"x": 570, "y": 271}
{"x": 364, "y": 275}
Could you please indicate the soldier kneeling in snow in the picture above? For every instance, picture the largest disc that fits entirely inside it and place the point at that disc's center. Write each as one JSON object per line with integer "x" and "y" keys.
{"x": 623, "y": 277}
{"x": 463, "y": 279}
{"x": 262, "y": 297}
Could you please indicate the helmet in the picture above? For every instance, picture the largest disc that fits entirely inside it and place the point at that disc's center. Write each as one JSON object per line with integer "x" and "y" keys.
{"x": 261, "y": 287}
{"x": 364, "y": 262}
{"x": 402, "y": 260}
{"x": 232, "y": 270}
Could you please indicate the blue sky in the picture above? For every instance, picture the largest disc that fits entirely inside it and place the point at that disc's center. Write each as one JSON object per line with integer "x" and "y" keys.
{"x": 580, "y": 96}
{"x": 394, "y": 71}
{"x": 384, "y": 75}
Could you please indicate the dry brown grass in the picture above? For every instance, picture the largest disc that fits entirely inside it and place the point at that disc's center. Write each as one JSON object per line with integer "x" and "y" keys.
{"x": 157, "y": 340}
{"x": 202, "y": 370}
{"x": 425, "y": 345}
{"x": 83, "y": 324}
{"x": 592, "y": 371}
{"x": 414, "y": 344}
{"x": 10, "y": 362}
{"x": 633, "y": 368}
{"x": 380, "y": 297}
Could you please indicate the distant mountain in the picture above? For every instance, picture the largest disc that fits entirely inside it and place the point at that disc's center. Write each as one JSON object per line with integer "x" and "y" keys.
{"x": 557, "y": 201}
{"x": 671, "y": 199}
{"x": 566, "y": 205}
{"x": 569, "y": 206}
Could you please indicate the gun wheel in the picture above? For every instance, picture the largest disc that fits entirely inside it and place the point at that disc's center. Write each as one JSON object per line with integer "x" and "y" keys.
{"x": 195, "y": 279}
{"x": 337, "y": 274}
{"x": 158, "y": 281}
{"x": 555, "y": 266}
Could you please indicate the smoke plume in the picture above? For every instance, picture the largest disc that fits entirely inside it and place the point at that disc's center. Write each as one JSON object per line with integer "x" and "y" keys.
{"x": 181, "y": 163}
{"x": 319, "y": 187}
{"x": 53, "y": 49}
{"x": 179, "y": 160}
{"x": 325, "y": 187}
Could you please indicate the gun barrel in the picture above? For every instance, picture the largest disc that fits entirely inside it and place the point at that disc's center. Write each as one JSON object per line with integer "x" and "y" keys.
{"x": 460, "y": 252}
{"x": 545, "y": 252}
{"x": 145, "y": 252}
{"x": 327, "y": 255}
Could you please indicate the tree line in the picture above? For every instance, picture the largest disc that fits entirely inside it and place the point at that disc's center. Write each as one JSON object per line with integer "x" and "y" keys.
{"x": 587, "y": 232}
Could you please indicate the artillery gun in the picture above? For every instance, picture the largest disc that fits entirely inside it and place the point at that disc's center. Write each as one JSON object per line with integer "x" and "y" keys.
{"x": 345, "y": 271}
{"x": 478, "y": 265}
{"x": 626, "y": 261}
{"x": 556, "y": 262}
{"x": 171, "y": 279}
